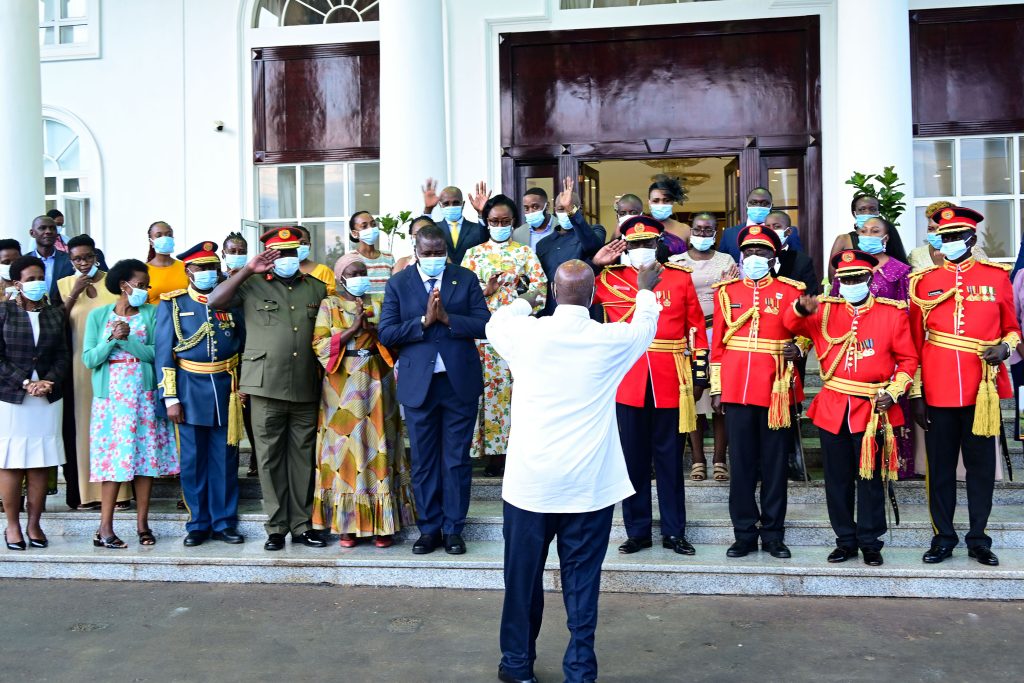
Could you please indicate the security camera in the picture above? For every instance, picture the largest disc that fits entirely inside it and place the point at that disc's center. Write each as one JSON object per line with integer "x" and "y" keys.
{"x": 218, "y": 125}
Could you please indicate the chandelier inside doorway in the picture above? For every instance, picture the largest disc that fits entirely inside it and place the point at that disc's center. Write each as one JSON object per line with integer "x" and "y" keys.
{"x": 679, "y": 169}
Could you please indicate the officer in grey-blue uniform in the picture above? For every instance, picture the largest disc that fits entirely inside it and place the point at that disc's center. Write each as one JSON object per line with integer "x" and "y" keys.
{"x": 197, "y": 356}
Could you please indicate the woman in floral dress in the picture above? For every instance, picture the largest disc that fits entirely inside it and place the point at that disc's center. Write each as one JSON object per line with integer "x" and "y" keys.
{"x": 127, "y": 441}
{"x": 363, "y": 482}
{"x": 507, "y": 270}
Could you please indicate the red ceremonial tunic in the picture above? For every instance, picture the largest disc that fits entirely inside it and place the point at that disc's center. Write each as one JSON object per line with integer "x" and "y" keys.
{"x": 963, "y": 306}
{"x": 860, "y": 351}
{"x": 744, "y": 367}
{"x": 681, "y": 320}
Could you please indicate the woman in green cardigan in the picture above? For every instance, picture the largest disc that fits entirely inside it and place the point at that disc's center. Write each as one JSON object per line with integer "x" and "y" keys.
{"x": 127, "y": 440}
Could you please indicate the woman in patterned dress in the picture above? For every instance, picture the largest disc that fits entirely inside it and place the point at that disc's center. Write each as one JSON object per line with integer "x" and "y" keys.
{"x": 127, "y": 441}
{"x": 363, "y": 482}
{"x": 506, "y": 270}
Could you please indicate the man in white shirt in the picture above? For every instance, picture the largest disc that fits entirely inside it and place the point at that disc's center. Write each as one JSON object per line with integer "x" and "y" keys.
{"x": 565, "y": 469}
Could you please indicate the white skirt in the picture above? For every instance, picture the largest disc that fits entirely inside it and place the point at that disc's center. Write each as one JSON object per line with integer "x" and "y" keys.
{"x": 30, "y": 434}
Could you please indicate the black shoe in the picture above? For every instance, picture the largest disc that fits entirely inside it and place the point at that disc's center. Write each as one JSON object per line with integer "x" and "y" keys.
{"x": 872, "y": 557}
{"x": 43, "y": 542}
{"x": 740, "y": 549}
{"x": 509, "y": 678}
{"x": 274, "y": 542}
{"x": 936, "y": 554}
{"x": 454, "y": 545}
{"x": 20, "y": 545}
{"x": 425, "y": 544}
{"x": 678, "y": 544}
{"x": 841, "y": 555}
{"x": 776, "y": 549}
{"x": 229, "y": 535}
{"x": 635, "y": 545}
{"x": 984, "y": 556}
{"x": 311, "y": 538}
{"x": 195, "y": 538}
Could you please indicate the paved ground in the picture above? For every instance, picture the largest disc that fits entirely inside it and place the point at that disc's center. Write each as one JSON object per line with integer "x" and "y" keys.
{"x": 105, "y": 631}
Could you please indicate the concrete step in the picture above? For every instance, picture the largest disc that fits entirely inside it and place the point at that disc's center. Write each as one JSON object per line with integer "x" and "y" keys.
{"x": 707, "y": 523}
{"x": 652, "y": 571}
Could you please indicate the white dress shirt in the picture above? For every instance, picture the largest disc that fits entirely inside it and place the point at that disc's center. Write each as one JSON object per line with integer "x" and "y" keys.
{"x": 564, "y": 453}
{"x": 438, "y": 362}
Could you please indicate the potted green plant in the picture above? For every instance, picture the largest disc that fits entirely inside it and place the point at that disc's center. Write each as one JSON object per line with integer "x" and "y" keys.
{"x": 890, "y": 198}
{"x": 392, "y": 227}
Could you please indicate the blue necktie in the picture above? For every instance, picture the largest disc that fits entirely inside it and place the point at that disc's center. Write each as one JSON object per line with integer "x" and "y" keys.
{"x": 430, "y": 284}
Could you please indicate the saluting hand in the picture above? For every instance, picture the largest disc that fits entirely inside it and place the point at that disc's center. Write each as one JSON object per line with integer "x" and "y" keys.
{"x": 610, "y": 253}
{"x": 263, "y": 262}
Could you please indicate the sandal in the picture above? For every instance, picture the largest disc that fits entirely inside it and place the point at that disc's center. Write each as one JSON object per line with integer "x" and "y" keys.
{"x": 348, "y": 541}
{"x": 123, "y": 505}
{"x": 146, "y": 537}
{"x": 699, "y": 471}
{"x": 110, "y": 542}
{"x": 84, "y": 507}
{"x": 384, "y": 541}
{"x": 721, "y": 472}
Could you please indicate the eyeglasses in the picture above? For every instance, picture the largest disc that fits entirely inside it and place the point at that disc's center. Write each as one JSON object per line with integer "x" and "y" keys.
{"x": 500, "y": 223}
{"x": 136, "y": 286}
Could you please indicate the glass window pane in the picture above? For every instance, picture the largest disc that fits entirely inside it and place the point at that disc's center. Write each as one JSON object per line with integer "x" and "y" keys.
{"x": 933, "y": 168}
{"x": 51, "y": 204}
{"x": 784, "y": 184}
{"x": 72, "y": 8}
{"x": 327, "y": 240}
{"x": 303, "y": 13}
{"x": 323, "y": 190}
{"x": 69, "y": 160}
{"x": 78, "y": 33}
{"x": 50, "y": 185}
{"x": 50, "y": 166}
{"x": 997, "y": 234}
{"x": 56, "y": 137}
{"x": 277, "y": 192}
{"x": 71, "y": 185}
{"x": 367, "y": 188}
{"x": 921, "y": 223}
{"x": 47, "y": 11}
{"x": 46, "y": 36}
{"x": 1020, "y": 164}
{"x": 985, "y": 166}
{"x": 76, "y": 216}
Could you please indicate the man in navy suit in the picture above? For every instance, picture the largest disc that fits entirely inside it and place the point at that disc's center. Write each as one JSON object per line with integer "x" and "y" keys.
{"x": 433, "y": 314}
{"x": 759, "y": 205}
{"x": 57, "y": 263}
{"x": 459, "y": 234}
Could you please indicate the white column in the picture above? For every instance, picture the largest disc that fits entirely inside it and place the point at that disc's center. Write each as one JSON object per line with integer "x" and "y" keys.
{"x": 21, "y": 128}
{"x": 413, "y": 140}
{"x": 874, "y": 104}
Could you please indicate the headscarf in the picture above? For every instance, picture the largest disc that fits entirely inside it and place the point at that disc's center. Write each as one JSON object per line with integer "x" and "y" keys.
{"x": 344, "y": 262}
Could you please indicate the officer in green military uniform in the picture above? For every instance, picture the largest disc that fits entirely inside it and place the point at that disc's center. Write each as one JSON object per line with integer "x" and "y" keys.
{"x": 280, "y": 375}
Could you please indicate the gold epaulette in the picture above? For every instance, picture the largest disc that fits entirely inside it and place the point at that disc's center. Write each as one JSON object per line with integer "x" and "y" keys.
{"x": 795, "y": 283}
{"x": 832, "y": 300}
{"x": 1002, "y": 266}
{"x": 918, "y": 273}
{"x": 676, "y": 266}
{"x": 167, "y": 296}
{"x": 891, "y": 302}
{"x": 614, "y": 266}
{"x": 722, "y": 283}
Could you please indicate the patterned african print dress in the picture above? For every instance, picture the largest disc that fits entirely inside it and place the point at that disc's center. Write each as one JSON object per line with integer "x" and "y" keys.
{"x": 519, "y": 267}
{"x": 363, "y": 484}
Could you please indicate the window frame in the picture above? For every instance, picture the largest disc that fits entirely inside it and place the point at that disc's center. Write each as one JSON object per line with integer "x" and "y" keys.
{"x": 336, "y": 5}
{"x": 90, "y": 49}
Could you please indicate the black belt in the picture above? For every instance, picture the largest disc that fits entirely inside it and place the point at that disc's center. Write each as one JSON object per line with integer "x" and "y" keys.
{"x": 361, "y": 353}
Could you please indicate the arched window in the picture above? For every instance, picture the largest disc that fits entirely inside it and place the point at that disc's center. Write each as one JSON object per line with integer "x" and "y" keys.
{"x": 66, "y": 177}
{"x": 272, "y": 13}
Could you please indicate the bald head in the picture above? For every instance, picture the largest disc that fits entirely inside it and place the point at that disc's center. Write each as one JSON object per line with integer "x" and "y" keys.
{"x": 574, "y": 284}
{"x": 450, "y": 196}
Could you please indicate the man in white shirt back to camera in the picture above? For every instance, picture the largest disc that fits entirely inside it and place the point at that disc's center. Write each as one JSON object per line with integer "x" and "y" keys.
{"x": 565, "y": 469}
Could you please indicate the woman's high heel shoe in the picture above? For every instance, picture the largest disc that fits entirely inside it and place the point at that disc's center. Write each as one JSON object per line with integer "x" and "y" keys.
{"x": 43, "y": 542}
{"x": 20, "y": 545}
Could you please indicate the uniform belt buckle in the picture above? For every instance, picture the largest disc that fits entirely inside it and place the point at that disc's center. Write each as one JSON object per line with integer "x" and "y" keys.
{"x": 363, "y": 353}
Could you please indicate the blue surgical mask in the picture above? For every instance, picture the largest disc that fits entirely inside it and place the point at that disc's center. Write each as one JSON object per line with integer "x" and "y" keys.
{"x": 535, "y": 219}
{"x": 934, "y": 239}
{"x": 755, "y": 267}
{"x": 92, "y": 271}
{"x": 502, "y": 233}
{"x": 137, "y": 297}
{"x": 235, "y": 261}
{"x": 369, "y": 235}
{"x": 563, "y": 220}
{"x": 854, "y": 294}
{"x": 872, "y": 244}
{"x": 953, "y": 250}
{"x": 163, "y": 245}
{"x": 863, "y": 218}
{"x": 34, "y": 291}
{"x": 661, "y": 211}
{"x": 5, "y": 271}
{"x": 286, "y": 266}
{"x": 358, "y": 285}
{"x": 782, "y": 235}
{"x": 433, "y": 265}
{"x": 452, "y": 214}
{"x": 205, "y": 280}
{"x": 701, "y": 243}
{"x": 757, "y": 214}
{"x": 303, "y": 252}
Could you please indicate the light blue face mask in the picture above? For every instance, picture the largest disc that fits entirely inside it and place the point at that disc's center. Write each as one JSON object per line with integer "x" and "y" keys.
{"x": 702, "y": 243}
{"x": 286, "y": 266}
{"x": 535, "y": 219}
{"x": 235, "y": 261}
{"x": 661, "y": 211}
{"x": 563, "y": 220}
{"x": 34, "y": 291}
{"x": 935, "y": 240}
{"x": 953, "y": 250}
{"x": 92, "y": 271}
{"x": 452, "y": 214}
{"x": 137, "y": 297}
{"x": 303, "y": 252}
{"x": 862, "y": 218}
{"x": 433, "y": 265}
{"x": 758, "y": 214}
{"x": 163, "y": 245}
{"x": 205, "y": 280}
{"x": 357, "y": 286}
{"x": 755, "y": 267}
{"x": 501, "y": 233}
{"x": 369, "y": 235}
{"x": 854, "y": 294}
{"x": 871, "y": 244}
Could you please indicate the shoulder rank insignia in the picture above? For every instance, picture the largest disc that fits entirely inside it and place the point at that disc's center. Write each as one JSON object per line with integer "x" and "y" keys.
{"x": 832, "y": 300}
{"x": 615, "y": 266}
{"x": 1002, "y": 266}
{"x": 676, "y": 266}
{"x": 793, "y": 283}
{"x": 167, "y": 296}
{"x": 722, "y": 283}
{"x": 923, "y": 271}
{"x": 891, "y": 302}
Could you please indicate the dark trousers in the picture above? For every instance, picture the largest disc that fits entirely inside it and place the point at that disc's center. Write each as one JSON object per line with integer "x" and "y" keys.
{"x": 285, "y": 434}
{"x": 582, "y": 543}
{"x": 841, "y": 454}
{"x": 209, "y": 477}
{"x": 441, "y": 433}
{"x": 756, "y": 452}
{"x": 949, "y": 432}
{"x": 648, "y": 434}
{"x": 72, "y": 493}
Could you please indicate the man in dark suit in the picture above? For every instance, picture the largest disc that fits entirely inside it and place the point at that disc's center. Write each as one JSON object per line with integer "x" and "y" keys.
{"x": 57, "y": 263}
{"x": 794, "y": 264}
{"x": 759, "y": 205}
{"x": 540, "y": 223}
{"x": 433, "y": 314}
{"x": 460, "y": 235}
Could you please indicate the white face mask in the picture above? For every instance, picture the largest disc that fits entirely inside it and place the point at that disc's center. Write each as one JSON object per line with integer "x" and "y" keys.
{"x": 641, "y": 256}
{"x": 5, "y": 272}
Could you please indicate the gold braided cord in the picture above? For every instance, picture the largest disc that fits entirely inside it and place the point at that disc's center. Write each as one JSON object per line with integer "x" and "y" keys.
{"x": 613, "y": 290}
{"x": 205, "y": 330}
{"x": 845, "y": 340}
{"x": 733, "y": 326}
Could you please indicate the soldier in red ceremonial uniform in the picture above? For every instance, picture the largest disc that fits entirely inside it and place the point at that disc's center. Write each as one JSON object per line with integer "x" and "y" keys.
{"x": 963, "y": 324}
{"x": 866, "y": 365}
{"x": 754, "y": 383}
{"x": 655, "y": 401}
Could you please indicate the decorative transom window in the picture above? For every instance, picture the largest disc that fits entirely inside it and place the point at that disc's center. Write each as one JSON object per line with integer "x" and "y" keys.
{"x": 984, "y": 173}
{"x": 271, "y": 13}
{"x": 594, "y": 4}
{"x": 64, "y": 177}
{"x": 68, "y": 29}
